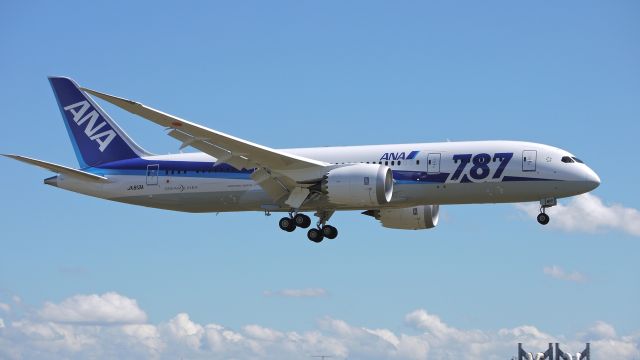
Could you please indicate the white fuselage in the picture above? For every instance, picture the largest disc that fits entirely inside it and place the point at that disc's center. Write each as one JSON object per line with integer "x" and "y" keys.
{"x": 427, "y": 173}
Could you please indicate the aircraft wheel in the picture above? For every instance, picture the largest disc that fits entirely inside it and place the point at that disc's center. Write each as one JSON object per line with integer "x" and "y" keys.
{"x": 302, "y": 220}
{"x": 329, "y": 232}
{"x": 315, "y": 235}
{"x": 287, "y": 224}
{"x": 543, "y": 219}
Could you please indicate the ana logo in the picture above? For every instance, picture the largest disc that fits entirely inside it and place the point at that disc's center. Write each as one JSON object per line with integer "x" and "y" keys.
{"x": 80, "y": 117}
{"x": 399, "y": 155}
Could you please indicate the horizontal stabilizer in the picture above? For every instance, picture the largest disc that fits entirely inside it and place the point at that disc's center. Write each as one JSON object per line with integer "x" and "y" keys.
{"x": 59, "y": 169}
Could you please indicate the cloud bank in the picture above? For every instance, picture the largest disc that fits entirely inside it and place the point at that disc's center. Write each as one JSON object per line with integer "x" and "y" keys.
{"x": 109, "y": 308}
{"x": 587, "y": 213}
{"x": 113, "y": 326}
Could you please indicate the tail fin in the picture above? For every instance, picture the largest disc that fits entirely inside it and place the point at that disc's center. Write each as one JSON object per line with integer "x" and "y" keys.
{"x": 96, "y": 138}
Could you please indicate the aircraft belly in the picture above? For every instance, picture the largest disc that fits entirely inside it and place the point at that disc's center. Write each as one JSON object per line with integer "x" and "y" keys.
{"x": 222, "y": 201}
{"x": 194, "y": 194}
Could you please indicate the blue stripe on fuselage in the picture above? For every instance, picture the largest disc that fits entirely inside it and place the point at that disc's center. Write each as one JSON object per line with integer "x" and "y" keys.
{"x": 418, "y": 177}
{"x": 203, "y": 169}
{"x": 138, "y": 166}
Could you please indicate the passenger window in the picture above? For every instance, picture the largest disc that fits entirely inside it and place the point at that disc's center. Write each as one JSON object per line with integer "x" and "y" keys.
{"x": 386, "y": 163}
{"x": 398, "y": 162}
{"x": 393, "y": 163}
{"x": 417, "y": 162}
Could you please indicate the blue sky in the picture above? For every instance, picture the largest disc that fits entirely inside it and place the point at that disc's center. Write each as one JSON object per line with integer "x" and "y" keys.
{"x": 306, "y": 73}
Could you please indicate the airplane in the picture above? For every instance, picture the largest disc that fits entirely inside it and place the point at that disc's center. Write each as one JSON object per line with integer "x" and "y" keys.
{"x": 401, "y": 185}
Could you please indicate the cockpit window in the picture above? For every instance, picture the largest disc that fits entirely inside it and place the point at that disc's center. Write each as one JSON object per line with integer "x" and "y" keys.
{"x": 567, "y": 159}
{"x": 577, "y": 160}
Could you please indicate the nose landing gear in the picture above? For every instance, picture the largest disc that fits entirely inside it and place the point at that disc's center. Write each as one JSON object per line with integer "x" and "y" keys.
{"x": 543, "y": 218}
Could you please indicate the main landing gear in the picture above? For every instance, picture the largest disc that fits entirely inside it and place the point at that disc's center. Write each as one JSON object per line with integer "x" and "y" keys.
{"x": 317, "y": 234}
{"x": 543, "y": 218}
{"x": 290, "y": 223}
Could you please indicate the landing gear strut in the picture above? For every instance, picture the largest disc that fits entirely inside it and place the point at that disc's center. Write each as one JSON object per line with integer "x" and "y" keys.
{"x": 543, "y": 218}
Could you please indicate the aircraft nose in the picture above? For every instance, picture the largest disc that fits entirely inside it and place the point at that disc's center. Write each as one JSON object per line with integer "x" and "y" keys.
{"x": 591, "y": 179}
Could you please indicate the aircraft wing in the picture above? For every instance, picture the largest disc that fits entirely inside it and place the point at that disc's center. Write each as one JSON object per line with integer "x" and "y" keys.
{"x": 59, "y": 169}
{"x": 279, "y": 173}
{"x": 235, "y": 147}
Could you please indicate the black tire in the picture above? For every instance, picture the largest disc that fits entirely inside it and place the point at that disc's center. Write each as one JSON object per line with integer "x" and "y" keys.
{"x": 543, "y": 219}
{"x": 329, "y": 232}
{"x": 287, "y": 224}
{"x": 315, "y": 235}
{"x": 302, "y": 220}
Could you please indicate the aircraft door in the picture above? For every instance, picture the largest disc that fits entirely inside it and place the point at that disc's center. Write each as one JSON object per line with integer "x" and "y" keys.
{"x": 529, "y": 160}
{"x": 152, "y": 174}
{"x": 433, "y": 164}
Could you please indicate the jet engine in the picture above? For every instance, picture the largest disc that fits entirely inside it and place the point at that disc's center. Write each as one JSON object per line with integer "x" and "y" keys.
{"x": 359, "y": 185}
{"x": 410, "y": 218}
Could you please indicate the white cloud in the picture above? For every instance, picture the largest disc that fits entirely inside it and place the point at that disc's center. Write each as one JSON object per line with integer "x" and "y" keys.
{"x": 5, "y": 307}
{"x": 599, "y": 331}
{"x": 183, "y": 331}
{"x": 587, "y": 213}
{"x": 309, "y": 292}
{"x": 108, "y": 308}
{"x": 427, "y": 337}
{"x": 559, "y": 273}
{"x": 262, "y": 333}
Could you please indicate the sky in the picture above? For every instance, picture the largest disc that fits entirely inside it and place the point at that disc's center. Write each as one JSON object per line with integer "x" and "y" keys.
{"x": 83, "y": 277}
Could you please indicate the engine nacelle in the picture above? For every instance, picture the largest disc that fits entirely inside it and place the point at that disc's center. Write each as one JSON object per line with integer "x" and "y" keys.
{"x": 411, "y": 218}
{"x": 359, "y": 185}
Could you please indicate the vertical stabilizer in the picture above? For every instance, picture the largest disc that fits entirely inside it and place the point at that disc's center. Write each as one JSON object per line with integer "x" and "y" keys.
{"x": 96, "y": 138}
